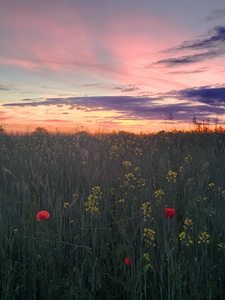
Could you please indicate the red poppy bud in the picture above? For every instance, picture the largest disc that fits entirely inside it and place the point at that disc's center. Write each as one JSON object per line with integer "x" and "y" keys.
{"x": 42, "y": 215}
{"x": 127, "y": 261}
{"x": 170, "y": 212}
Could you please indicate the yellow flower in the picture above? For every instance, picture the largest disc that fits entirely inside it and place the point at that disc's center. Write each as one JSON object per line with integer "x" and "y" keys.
{"x": 137, "y": 169}
{"x": 121, "y": 200}
{"x": 204, "y": 238}
{"x": 114, "y": 151}
{"x": 147, "y": 210}
{"x": 158, "y": 196}
{"x": 171, "y": 176}
{"x": 182, "y": 235}
{"x": 146, "y": 256}
{"x": 185, "y": 238}
{"x": 147, "y": 260}
{"x": 93, "y": 200}
{"x": 149, "y": 236}
{"x": 188, "y": 224}
{"x": 66, "y": 205}
{"x": 141, "y": 182}
{"x": 138, "y": 151}
{"x": 127, "y": 163}
{"x": 212, "y": 186}
{"x": 130, "y": 177}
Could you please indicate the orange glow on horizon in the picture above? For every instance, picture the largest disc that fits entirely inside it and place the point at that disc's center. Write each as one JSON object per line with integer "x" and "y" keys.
{"x": 14, "y": 128}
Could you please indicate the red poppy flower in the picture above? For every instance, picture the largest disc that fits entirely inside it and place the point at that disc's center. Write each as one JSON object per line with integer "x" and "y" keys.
{"x": 42, "y": 215}
{"x": 127, "y": 261}
{"x": 170, "y": 212}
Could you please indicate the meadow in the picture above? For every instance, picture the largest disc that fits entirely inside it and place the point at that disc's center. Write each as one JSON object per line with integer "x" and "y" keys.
{"x": 108, "y": 235}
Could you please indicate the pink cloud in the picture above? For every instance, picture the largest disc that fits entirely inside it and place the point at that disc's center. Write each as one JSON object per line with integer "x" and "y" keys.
{"x": 62, "y": 38}
{"x": 76, "y": 43}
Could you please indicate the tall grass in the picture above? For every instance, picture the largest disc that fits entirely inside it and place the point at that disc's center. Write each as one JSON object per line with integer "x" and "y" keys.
{"x": 106, "y": 195}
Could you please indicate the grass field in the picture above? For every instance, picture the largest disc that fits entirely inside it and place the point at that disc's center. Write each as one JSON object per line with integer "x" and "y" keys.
{"x": 108, "y": 236}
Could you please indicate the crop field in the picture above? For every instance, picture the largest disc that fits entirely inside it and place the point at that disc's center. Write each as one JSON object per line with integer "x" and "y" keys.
{"x": 112, "y": 216}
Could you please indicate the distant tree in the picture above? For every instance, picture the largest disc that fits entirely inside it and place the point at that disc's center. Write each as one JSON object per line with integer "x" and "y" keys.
{"x": 40, "y": 130}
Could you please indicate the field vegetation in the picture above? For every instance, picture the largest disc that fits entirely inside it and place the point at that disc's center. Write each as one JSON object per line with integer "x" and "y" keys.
{"x": 108, "y": 235}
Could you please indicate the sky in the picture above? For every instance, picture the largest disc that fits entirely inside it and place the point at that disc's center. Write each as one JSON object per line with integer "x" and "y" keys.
{"x": 106, "y": 65}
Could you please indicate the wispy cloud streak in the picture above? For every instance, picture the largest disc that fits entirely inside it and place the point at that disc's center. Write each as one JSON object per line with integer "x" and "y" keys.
{"x": 216, "y": 14}
{"x": 212, "y": 46}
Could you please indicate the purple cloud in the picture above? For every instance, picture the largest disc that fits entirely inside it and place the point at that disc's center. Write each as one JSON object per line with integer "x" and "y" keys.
{"x": 202, "y": 101}
{"x": 212, "y": 45}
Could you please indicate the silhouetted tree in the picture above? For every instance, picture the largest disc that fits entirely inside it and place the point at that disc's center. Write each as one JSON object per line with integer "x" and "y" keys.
{"x": 40, "y": 130}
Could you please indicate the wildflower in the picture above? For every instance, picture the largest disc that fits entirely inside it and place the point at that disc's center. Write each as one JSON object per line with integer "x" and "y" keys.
{"x": 147, "y": 260}
{"x": 147, "y": 210}
{"x": 138, "y": 151}
{"x": 188, "y": 224}
{"x": 122, "y": 200}
{"x": 170, "y": 212}
{"x": 204, "y": 238}
{"x": 149, "y": 236}
{"x": 130, "y": 180}
{"x": 182, "y": 235}
{"x": 114, "y": 151}
{"x": 146, "y": 256}
{"x": 141, "y": 182}
{"x": 66, "y": 205}
{"x": 158, "y": 195}
{"x": 130, "y": 177}
{"x": 127, "y": 261}
{"x": 171, "y": 176}
{"x": 185, "y": 238}
{"x": 127, "y": 163}
{"x": 93, "y": 200}
{"x": 42, "y": 215}
{"x": 137, "y": 169}
{"x": 212, "y": 186}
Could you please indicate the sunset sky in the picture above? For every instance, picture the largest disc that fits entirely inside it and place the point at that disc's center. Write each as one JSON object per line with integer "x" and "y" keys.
{"x": 134, "y": 65}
